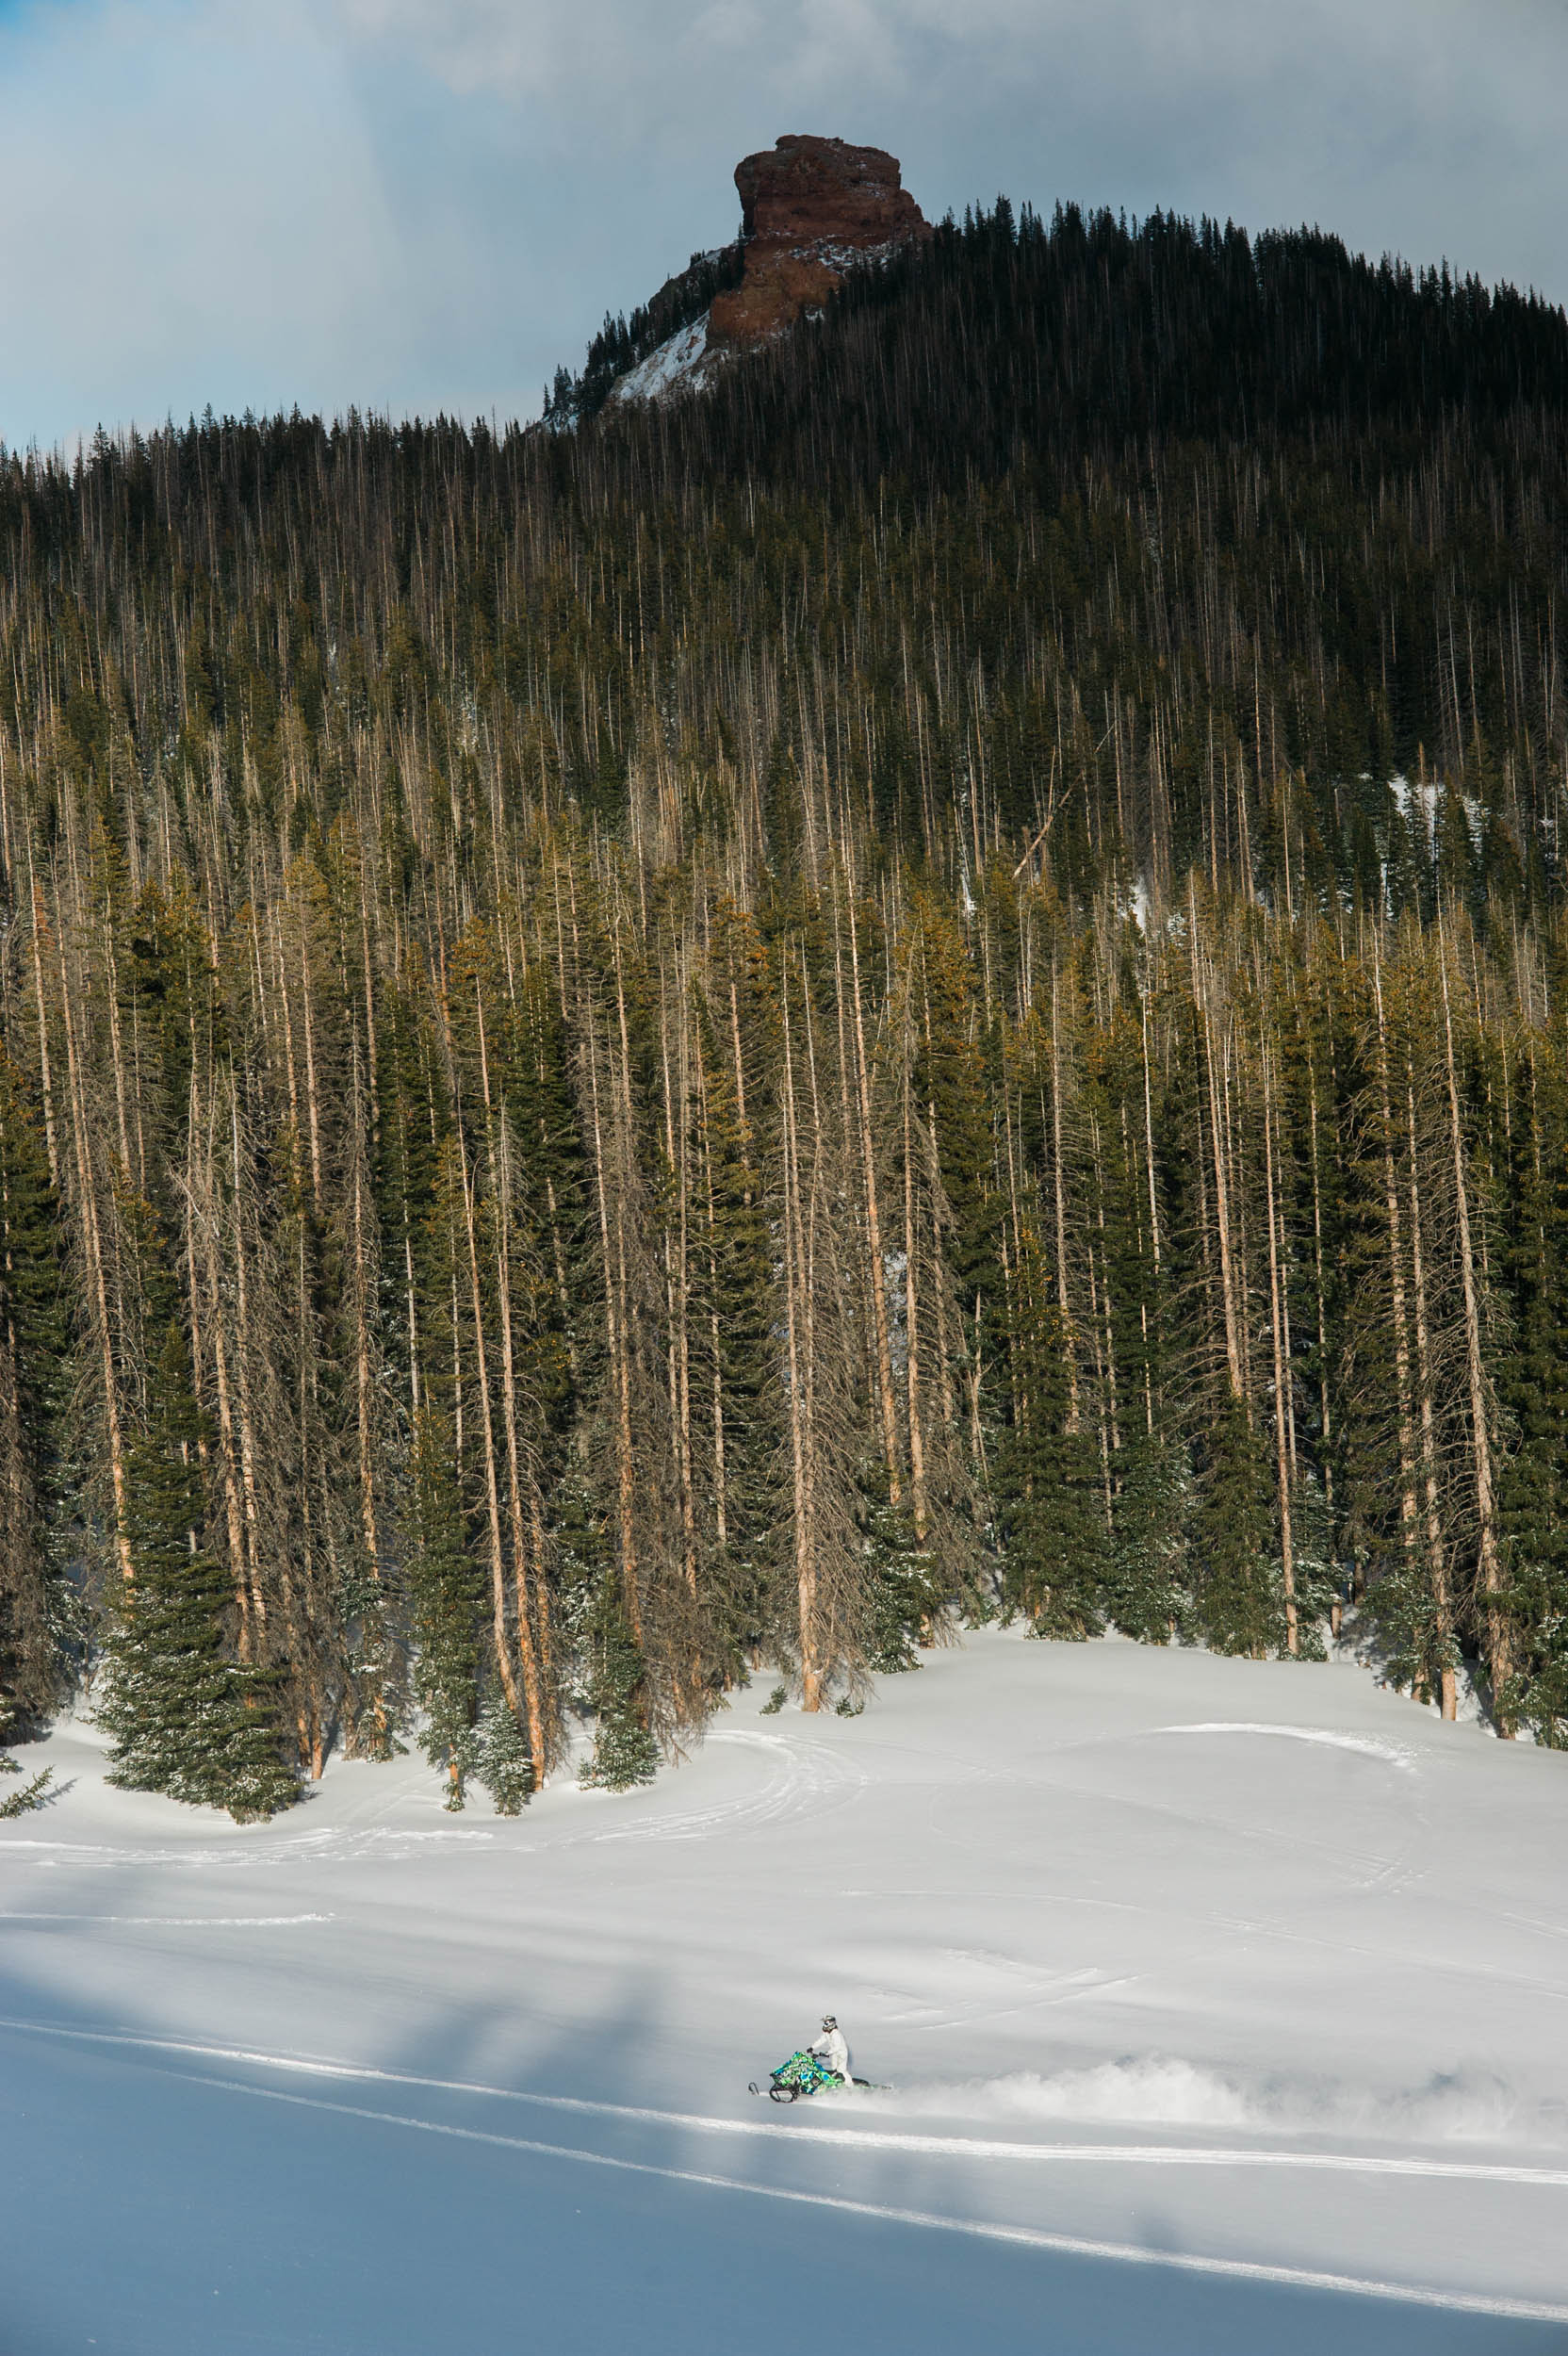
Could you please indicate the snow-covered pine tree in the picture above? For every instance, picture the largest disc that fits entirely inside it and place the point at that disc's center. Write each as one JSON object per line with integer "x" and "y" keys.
{"x": 186, "y": 1719}
{"x": 624, "y": 1753}
{"x": 1147, "y": 1591}
{"x": 503, "y": 1761}
{"x": 25, "y": 1796}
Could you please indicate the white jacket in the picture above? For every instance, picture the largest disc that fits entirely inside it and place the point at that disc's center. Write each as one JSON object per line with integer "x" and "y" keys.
{"x": 830, "y": 2048}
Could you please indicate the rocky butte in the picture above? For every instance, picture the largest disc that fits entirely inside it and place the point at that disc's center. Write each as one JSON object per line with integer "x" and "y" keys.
{"x": 809, "y": 209}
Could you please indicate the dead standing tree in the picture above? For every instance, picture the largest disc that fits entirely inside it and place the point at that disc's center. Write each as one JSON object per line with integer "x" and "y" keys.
{"x": 822, "y": 1350}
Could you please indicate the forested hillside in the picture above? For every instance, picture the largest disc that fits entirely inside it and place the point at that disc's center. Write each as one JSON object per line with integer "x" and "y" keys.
{"x": 933, "y": 980}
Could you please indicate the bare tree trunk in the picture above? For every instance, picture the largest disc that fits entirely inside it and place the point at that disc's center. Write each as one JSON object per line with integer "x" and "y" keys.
{"x": 97, "y": 1279}
{"x": 677, "y": 1291}
{"x": 242, "y": 1356}
{"x": 500, "y": 1203}
{"x": 487, "y": 1436}
{"x": 117, "y": 1058}
{"x": 1499, "y": 1636}
{"x": 1113, "y": 1407}
{"x": 521, "y": 1533}
{"x": 361, "y": 1285}
{"x": 1096, "y": 1344}
{"x": 721, "y": 1520}
{"x": 874, "y": 1227}
{"x": 1058, "y": 1174}
{"x": 1396, "y": 1285}
{"x": 911, "y": 1317}
{"x": 1011, "y": 1262}
{"x": 296, "y": 1140}
{"x": 798, "y": 1338}
{"x": 1436, "y": 1554}
{"x": 202, "y": 1214}
{"x": 616, "y": 1340}
{"x": 312, "y": 1109}
{"x": 369, "y": 990}
{"x": 1149, "y": 1134}
{"x": 307, "y": 1718}
{"x": 38, "y": 922}
{"x": 1323, "y": 1414}
{"x": 1281, "y": 1374}
{"x": 1222, "y": 1222}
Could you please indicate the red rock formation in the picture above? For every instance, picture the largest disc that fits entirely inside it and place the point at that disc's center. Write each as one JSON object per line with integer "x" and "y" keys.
{"x": 811, "y": 207}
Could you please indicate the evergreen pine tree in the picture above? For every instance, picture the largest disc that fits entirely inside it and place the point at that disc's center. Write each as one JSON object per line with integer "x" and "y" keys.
{"x": 949, "y": 1078}
{"x": 185, "y": 1719}
{"x": 1147, "y": 1589}
{"x": 624, "y": 1753}
{"x": 1317, "y": 1569}
{"x": 1238, "y": 1604}
{"x": 907, "y": 1588}
{"x": 501, "y": 1759}
{"x": 1533, "y": 1382}
{"x": 1052, "y": 1496}
{"x": 29, "y": 1795}
{"x": 733, "y": 1317}
{"x": 446, "y": 1593}
{"x": 38, "y": 1614}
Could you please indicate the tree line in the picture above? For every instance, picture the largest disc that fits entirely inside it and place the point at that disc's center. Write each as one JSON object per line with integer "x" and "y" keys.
{"x": 638, "y": 1052}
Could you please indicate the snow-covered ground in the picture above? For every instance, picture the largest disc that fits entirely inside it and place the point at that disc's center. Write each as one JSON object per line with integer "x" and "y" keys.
{"x": 1224, "y": 2003}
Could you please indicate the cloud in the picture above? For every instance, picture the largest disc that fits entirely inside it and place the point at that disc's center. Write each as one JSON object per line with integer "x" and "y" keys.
{"x": 1427, "y": 125}
{"x": 192, "y": 211}
{"x": 611, "y": 47}
{"x": 415, "y": 203}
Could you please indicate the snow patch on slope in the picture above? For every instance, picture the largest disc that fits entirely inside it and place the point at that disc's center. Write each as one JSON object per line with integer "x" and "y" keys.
{"x": 677, "y": 364}
{"x": 684, "y": 362}
{"x": 1423, "y": 802}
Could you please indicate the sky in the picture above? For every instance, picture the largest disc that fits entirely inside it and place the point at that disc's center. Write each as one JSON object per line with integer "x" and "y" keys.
{"x": 413, "y": 205}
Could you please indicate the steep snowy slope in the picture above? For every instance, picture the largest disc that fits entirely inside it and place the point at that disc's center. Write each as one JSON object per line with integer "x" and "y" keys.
{"x": 1205, "y": 1987}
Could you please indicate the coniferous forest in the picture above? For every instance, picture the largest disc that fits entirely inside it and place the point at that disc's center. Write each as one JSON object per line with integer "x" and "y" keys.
{"x": 932, "y": 982}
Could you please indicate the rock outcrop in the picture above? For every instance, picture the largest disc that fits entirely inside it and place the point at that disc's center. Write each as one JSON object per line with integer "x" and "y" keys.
{"x": 810, "y": 208}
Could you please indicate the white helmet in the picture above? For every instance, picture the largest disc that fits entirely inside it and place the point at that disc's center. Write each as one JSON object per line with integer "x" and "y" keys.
{"x": 828, "y": 2022}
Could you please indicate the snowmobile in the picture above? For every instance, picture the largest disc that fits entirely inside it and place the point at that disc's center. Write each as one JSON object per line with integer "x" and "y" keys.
{"x": 802, "y": 2075}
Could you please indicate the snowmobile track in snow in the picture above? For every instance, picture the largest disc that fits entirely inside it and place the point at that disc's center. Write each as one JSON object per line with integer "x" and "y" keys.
{"x": 806, "y": 1779}
{"x": 868, "y": 2139}
{"x": 978, "y": 2228}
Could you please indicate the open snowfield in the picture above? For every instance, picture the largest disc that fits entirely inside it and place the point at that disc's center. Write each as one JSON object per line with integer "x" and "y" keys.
{"x": 1226, "y": 2006}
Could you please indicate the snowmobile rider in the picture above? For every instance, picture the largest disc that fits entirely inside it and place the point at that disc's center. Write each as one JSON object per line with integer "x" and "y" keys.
{"x": 832, "y": 2050}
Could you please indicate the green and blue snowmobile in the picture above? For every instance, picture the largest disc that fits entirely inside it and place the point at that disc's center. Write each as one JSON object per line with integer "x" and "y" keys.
{"x": 803, "y": 2073}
